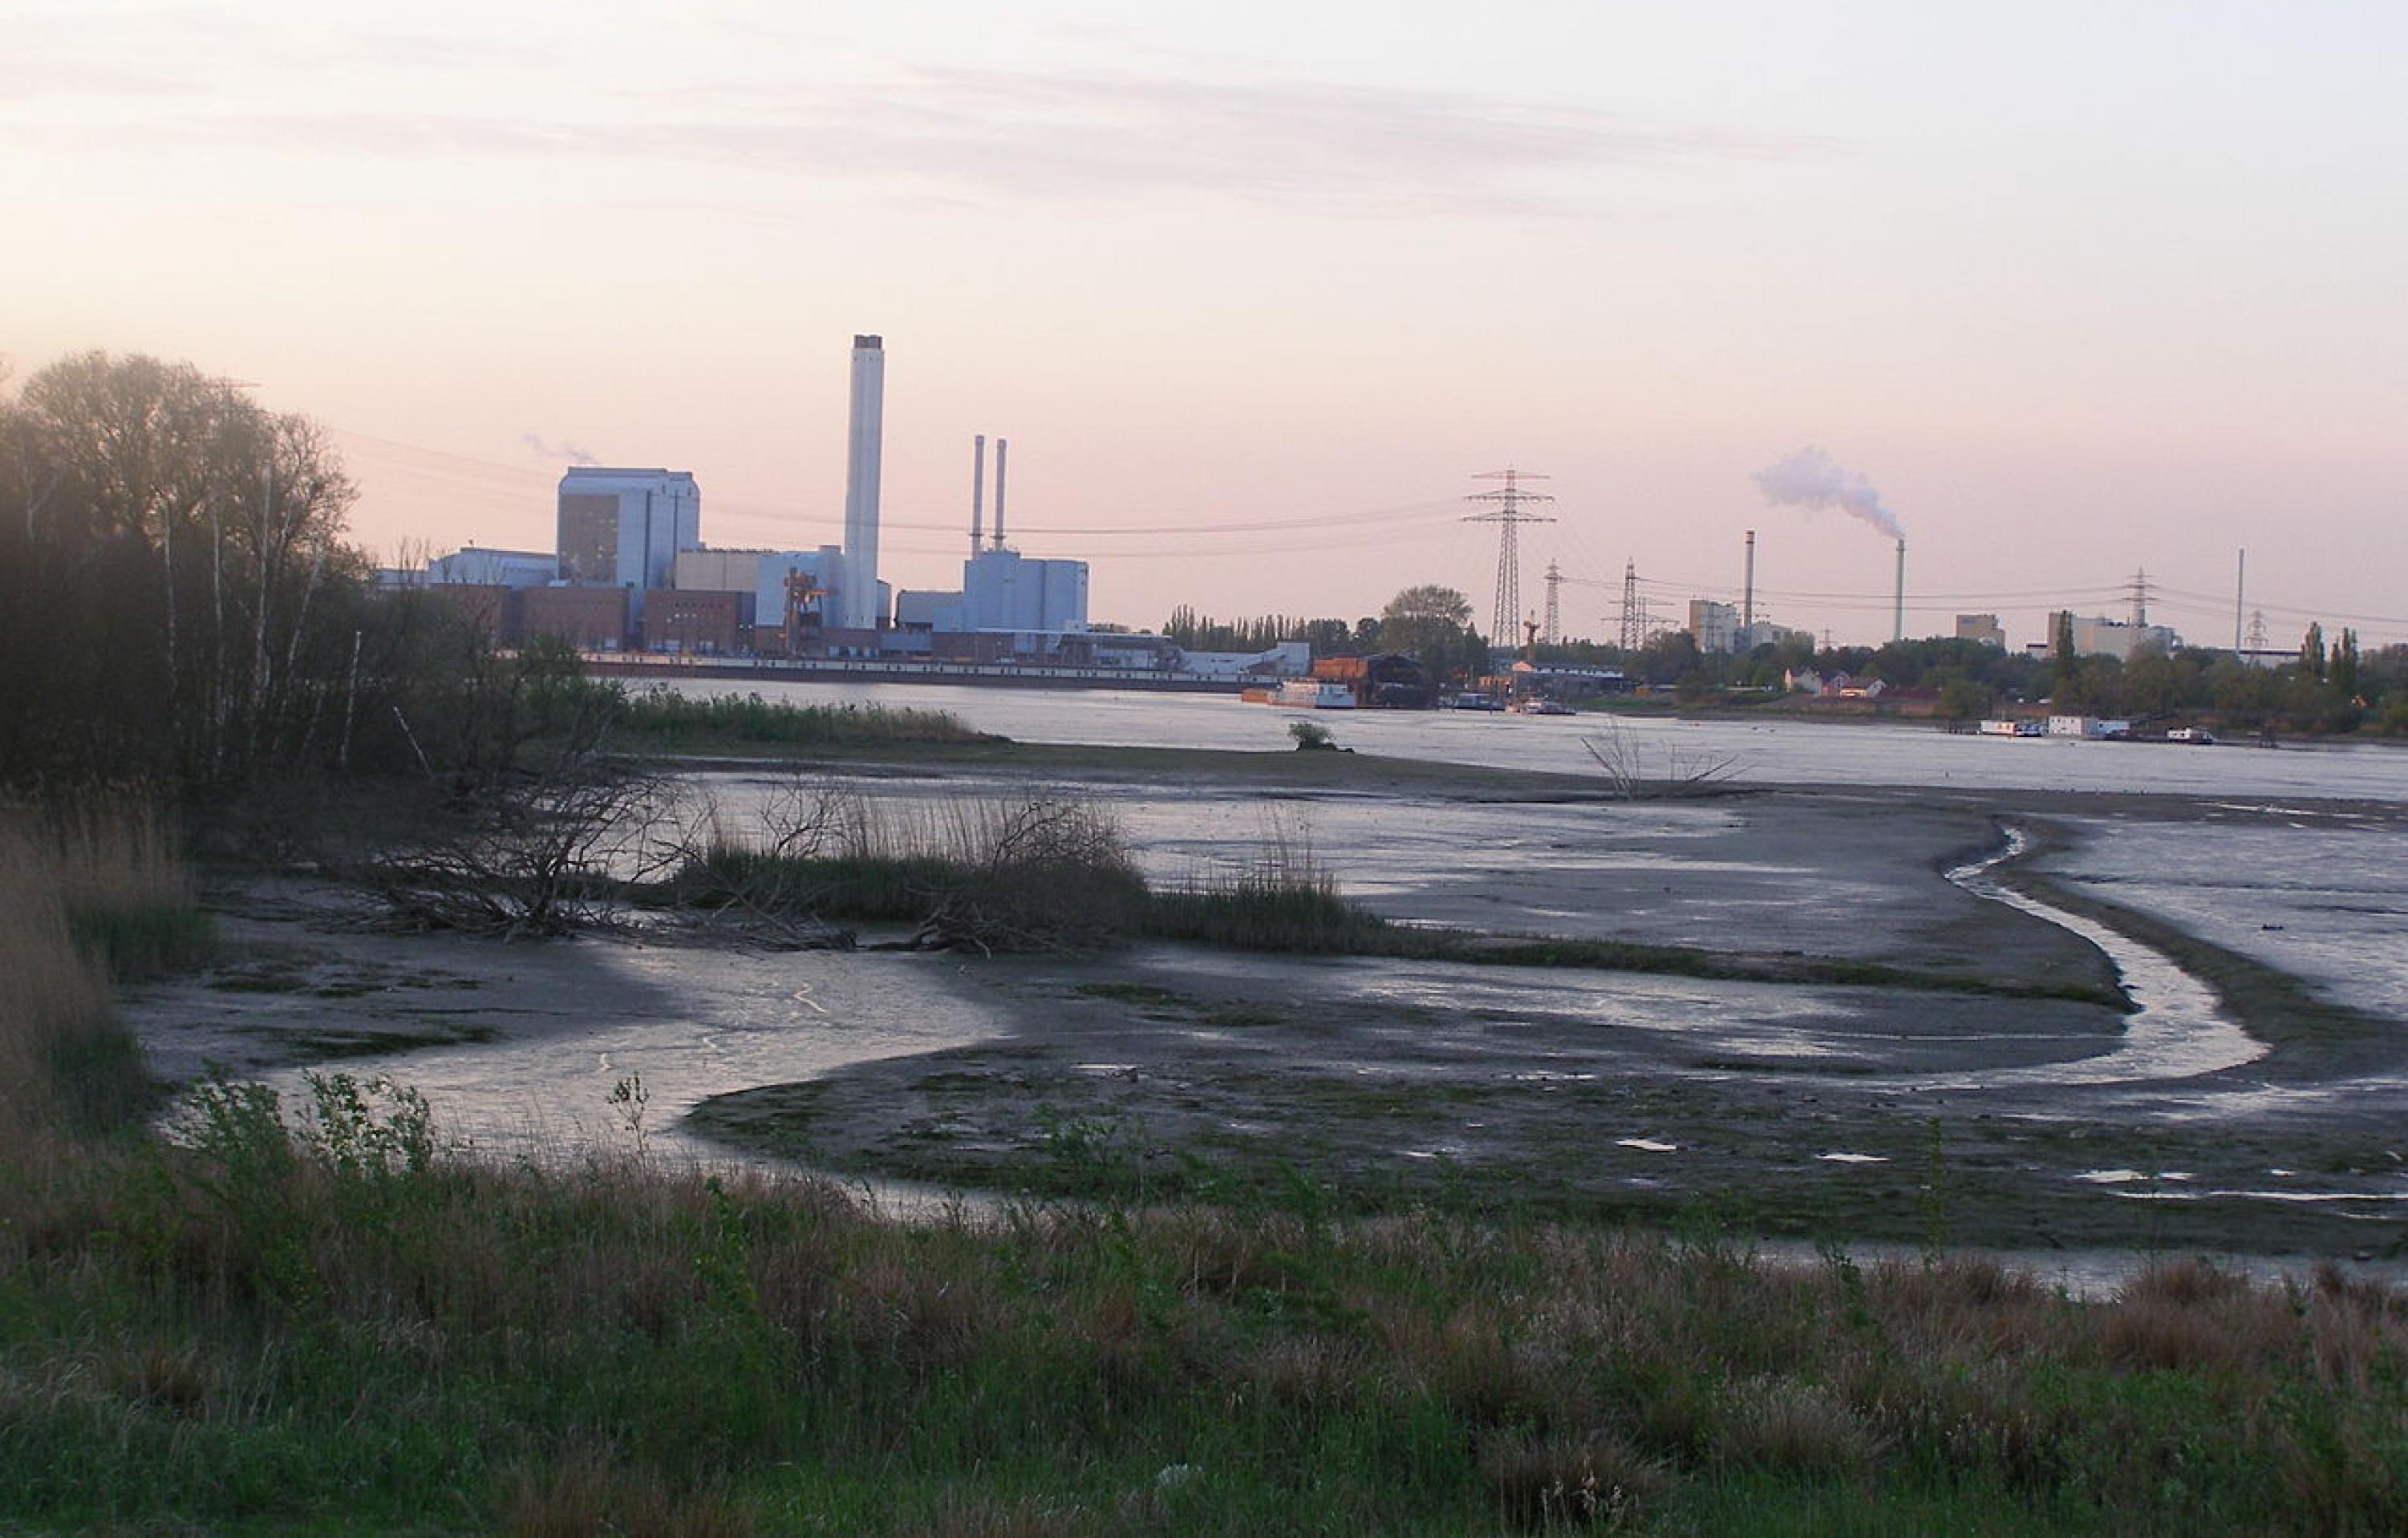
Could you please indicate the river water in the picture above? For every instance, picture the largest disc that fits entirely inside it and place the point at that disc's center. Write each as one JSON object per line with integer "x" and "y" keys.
{"x": 1783, "y": 752}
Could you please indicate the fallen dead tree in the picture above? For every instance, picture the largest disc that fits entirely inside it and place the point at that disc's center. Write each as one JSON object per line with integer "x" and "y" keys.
{"x": 529, "y": 855}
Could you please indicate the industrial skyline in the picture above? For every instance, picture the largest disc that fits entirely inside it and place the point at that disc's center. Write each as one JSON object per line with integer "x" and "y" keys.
{"x": 2081, "y": 291}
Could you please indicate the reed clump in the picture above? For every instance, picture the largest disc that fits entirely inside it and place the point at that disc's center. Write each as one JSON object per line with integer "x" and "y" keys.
{"x": 82, "y": 897}
{"x": 664, "y": 717}
{"x": 1000, "y": 872}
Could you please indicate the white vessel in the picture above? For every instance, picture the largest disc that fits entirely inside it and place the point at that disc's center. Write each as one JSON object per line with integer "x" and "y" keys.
{"x": 1315, "y": 694}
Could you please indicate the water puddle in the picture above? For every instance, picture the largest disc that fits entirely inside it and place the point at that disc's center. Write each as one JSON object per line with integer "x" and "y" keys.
{"x": 2178, "y": 1030}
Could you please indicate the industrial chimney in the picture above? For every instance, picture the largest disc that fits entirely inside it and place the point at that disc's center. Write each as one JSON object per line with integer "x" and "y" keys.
{"x": 1747, "y": 599}
{"x": 1000, "y": 445}
{"x": 862, "y": 452}
{"x": 978, "y": 487}
{"x": 1898, "y": 615}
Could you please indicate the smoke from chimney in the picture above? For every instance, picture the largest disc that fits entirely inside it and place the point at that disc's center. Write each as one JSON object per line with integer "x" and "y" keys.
{"x": 1809, "y": 479}
{"x": 544, "y": 449}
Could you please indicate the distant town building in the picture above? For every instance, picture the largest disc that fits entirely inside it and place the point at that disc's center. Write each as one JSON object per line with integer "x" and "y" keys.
{"x": 1763, "y": 633}
{"x": 2094, "y": 637}
{"x": 1714, "y": 626}
{"x": 625, "y": 528}
{"x": 1984, "y": 628}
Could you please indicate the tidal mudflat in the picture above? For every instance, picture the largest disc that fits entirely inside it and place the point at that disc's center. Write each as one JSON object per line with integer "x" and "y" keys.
{"x": 2033, "y": 1067}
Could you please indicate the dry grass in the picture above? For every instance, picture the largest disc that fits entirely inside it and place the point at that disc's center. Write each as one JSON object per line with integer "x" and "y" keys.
{"x": 585, "y": 1495}
{"x": 2190, "y": 1317}
{"x": 1554, "y": 1481}
{"x": 54, "y": 1003}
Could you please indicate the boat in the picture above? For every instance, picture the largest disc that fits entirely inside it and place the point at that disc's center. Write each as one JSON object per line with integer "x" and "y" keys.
{"x": 1314, "y": 694}
{"x": 1542, "y": 708}
{"x": 2196, "y": 737}
{"x": 1474, "y": 702}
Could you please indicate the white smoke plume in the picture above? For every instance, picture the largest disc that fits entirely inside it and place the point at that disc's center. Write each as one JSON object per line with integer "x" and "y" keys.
{"x": 1809, "y": 479}
{"x": 543, "y": 448}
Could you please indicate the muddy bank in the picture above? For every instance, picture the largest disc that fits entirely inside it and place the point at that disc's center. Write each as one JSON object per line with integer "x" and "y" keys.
{"x": 1902, "y": 1114}
{"x": 1905, "y": 1112}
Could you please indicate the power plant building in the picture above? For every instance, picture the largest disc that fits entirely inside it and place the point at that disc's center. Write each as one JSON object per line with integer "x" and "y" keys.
{"x": 476, "y": 567}
{"x": 1984, "y": 628}
{"x": 2097, "y": 636}
{"x": 625, "y": 528}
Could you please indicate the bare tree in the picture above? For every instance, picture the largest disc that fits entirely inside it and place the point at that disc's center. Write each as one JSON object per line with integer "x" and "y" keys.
{"x": 545, "y": 856}
{"x": 1619, "y": 755}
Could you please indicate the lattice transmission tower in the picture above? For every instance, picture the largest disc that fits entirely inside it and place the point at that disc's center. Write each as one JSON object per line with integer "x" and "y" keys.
{"x": 1552, "y": 630}
{"x": 1634, "y": 609}
{"x": 1509, "y": 515}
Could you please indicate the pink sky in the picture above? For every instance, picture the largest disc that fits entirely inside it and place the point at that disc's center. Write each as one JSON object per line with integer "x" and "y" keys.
{"x": 2080, "y": 294}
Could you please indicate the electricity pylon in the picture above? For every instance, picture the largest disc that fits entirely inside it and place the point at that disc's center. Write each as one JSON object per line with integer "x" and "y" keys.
{"x": 1509, "y": 516}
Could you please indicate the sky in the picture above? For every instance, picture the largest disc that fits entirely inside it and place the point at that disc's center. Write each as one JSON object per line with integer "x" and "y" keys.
{"x": 1257, "y": 291}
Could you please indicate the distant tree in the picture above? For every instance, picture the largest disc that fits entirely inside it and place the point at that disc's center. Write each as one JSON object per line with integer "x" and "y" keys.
{"x": 176, "y": 588}
{"x": 2311, "y": 650}
{"x": 2344, "y": 665}
{"x": 1670, "y": 658}
{"x": 1419, "y": 617}
{"x": 1962, "y": 698}
{"x": 2155, "y": 684}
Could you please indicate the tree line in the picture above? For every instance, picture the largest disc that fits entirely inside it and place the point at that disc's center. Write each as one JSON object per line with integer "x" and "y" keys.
{"x": 1429, "y": 622}
{"x": 180, "y": 608}
{"x": 2331, "y": 686}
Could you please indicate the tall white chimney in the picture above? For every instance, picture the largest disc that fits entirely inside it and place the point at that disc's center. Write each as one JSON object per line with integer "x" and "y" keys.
{"x": 862, "y": 449}
{"x": 1747, "y": 601}
{"x": 978, "y": 487}
{"x": 1897, "y": 616}
{"x": 1000, "y": 445}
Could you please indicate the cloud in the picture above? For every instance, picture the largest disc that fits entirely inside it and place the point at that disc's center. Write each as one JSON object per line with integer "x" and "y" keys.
{"x": 1093, "y": 134}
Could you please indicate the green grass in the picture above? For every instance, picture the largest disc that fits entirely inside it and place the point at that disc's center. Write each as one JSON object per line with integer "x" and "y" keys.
{"x": 256, "y": 1331}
